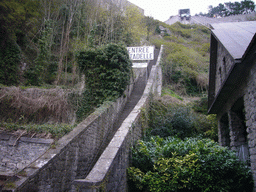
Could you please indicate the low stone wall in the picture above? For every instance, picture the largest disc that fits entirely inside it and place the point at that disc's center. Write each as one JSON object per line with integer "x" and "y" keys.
{"x": 109, "y": 173}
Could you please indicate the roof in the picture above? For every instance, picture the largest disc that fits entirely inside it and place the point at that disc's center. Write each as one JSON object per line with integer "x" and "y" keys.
{"x": 240, "y": 41}
{"x": 235, "y": 36}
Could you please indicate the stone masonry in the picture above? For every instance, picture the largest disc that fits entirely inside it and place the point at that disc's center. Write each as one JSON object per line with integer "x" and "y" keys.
{"x": 109, "y": 172}
{"x": 17, "y": 153}
{"x": 72, "y": 156}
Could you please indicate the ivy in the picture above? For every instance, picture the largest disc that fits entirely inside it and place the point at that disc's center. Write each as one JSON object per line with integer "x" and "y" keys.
{"x": 107, "y": 71}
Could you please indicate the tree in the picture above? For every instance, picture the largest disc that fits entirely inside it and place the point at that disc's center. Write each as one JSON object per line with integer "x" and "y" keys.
{"x": 248, "y": 6}
{"x": 151, "y": 25}
{"x": 17, "y": 20}
{"x": 135, "y": 27}
{"x": 15, "y": 17}
{"x": 227, "y": 9}
{"x": 68, "y": 12}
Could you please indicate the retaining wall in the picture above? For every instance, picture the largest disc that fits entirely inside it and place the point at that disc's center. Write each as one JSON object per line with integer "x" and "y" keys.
{"x": 73, "y": 156}
{"x": 109, "y": 173}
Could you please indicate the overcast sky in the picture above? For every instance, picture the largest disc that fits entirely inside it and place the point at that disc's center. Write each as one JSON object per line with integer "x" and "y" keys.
{"x": 163, "y": 9}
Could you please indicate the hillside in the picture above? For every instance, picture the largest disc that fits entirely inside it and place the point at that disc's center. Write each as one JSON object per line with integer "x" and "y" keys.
{"x": 207, "y": 21}
{"x": 186, "y": 58}
{"x": 48, "y": 83}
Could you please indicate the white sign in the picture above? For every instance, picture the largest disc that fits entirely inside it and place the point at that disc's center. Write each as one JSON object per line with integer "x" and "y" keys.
{"x": 139, "y": 65}
{"x": 141, "y": 53}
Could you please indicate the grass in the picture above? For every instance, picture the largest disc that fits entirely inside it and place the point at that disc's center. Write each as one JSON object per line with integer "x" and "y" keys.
{"x": 185, "y": 61}
{"x": 167, "y": 91}
{"x": 41, "y": 130}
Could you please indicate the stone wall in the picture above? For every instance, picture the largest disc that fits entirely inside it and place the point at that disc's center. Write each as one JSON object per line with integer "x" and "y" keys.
{"x": 109, "y": 173}
{"x": 223, "y": 66}
{"x": 74, "y": 155}
{"x": 242, "y": 131}
{"x": 250, "y": 117}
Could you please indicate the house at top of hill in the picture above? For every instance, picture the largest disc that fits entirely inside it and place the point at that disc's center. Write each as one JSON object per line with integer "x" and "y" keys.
{"x": 232, "y": 87}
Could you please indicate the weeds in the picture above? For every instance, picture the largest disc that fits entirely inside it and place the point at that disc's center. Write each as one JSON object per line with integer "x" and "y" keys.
{"x": 43, "y": 130}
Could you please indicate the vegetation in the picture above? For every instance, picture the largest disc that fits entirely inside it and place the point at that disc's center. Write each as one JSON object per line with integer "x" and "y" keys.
{"x": 46, "y": 48}
{"x": 231, "y": 8}
{"x": 107, "y": 72}
{"x": 39, "y": 39}
{"x": 186, "y": 58}
{"x": 179, "y": 151}
{"x": 177, "y": 119}
{"x": 193, "y": 164}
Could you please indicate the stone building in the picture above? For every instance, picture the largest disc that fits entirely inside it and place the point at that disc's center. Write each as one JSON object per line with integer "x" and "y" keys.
{"x": 232, "y": 87}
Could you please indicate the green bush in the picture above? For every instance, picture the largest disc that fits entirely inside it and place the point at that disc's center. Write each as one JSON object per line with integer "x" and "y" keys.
{"x": 179, "y": 120}
{"x": 84, "y": 104}
{"x": 194, "y": 165}
{"x": 107, "y": 71}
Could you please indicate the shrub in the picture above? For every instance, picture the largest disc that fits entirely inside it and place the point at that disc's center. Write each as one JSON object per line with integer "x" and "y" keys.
{"x": 84, "y": 104}
{"x": 107, "y": 71}
{"x": 194, "y": 164}
{"x": 180, "y": 121}
{"x": 185, "y": 59}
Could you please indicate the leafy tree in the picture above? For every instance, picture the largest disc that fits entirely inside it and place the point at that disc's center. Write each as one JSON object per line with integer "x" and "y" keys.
{"x": 135, "y": 27}
{"x": 9, "y": 63}
{"x": 248, "y": 6}
{"x": 229, "y": 8}
{"x": 151, "y": 25}
{"x": 17, "y": 19}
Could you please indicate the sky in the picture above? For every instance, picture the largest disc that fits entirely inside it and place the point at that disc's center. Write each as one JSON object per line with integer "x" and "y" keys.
{"x": 163, "y": 9}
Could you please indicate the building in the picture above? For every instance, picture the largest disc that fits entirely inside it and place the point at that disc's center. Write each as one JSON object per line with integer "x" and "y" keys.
{"x": 232, "y": 87}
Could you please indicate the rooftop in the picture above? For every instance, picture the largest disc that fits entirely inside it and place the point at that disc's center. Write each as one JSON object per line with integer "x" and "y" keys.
{"x": 235, "y": 36}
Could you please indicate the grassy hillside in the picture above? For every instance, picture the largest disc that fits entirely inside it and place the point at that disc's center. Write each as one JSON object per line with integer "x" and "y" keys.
{"x": 186, "y": 58}
{"x": 182, "y": 108}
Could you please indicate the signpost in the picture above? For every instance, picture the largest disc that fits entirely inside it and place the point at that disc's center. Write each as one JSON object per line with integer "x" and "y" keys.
{"x": 144, "y": 53}
{"x": 141, "y": 53}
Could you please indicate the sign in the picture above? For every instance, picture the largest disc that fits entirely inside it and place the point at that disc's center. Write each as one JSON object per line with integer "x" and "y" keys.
{"x": 141, "y": 53}
{"x": 139, "y": 65}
